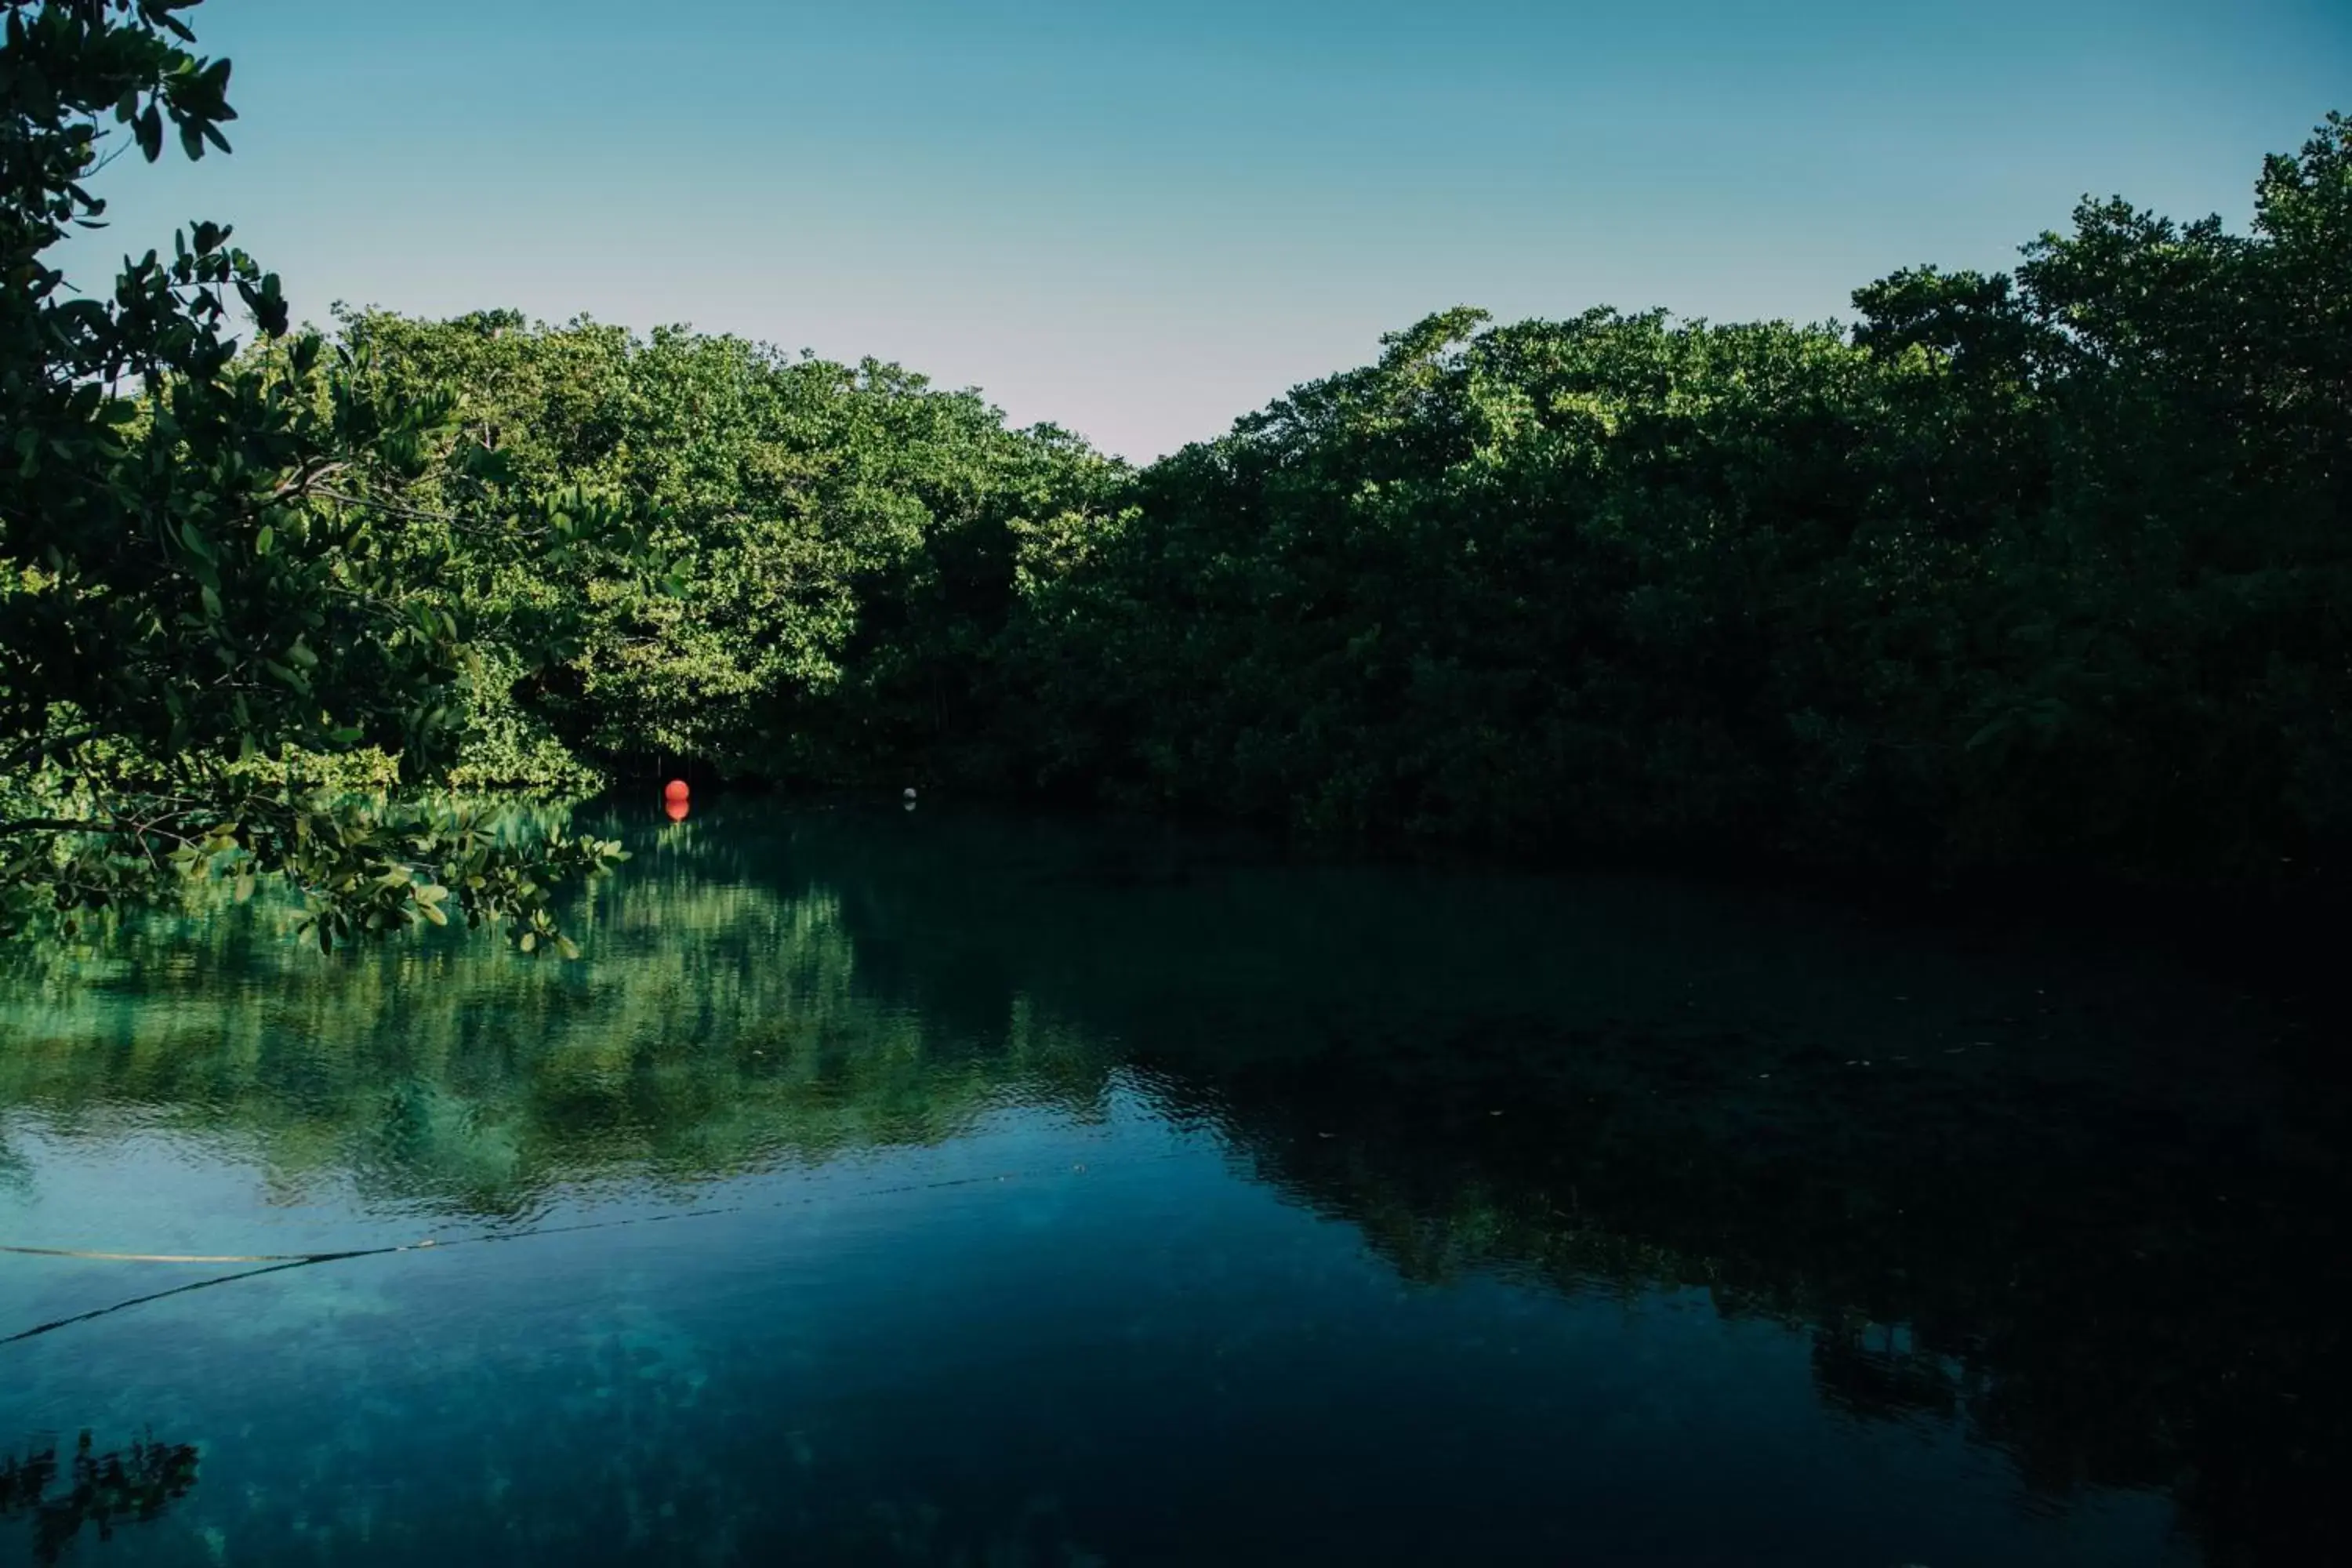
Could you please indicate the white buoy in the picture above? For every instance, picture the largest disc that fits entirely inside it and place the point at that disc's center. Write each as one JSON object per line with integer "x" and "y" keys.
{"x": 910, "y": 791}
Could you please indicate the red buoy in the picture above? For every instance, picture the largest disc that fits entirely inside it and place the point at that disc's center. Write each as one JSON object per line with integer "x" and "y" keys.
{"x": 675, "y": 810}
{"x": 675, "y": 790}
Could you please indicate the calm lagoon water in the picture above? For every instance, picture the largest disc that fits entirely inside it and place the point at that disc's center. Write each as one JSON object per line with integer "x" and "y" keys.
{"x": 934, "y": 1189}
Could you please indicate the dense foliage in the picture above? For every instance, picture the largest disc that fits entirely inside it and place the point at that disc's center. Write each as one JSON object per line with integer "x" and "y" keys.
{"x": 840, "y": 542}
{"x": 211, "y": 572}
{"x": 2026, "y": 572}
{"x": 2032, "y": 571}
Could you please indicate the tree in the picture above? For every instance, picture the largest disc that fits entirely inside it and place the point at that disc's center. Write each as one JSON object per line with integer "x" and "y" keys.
{"x": 208, "y": 558}
{"x": 841, "y": 538}
{"x": 2032, "y": 572}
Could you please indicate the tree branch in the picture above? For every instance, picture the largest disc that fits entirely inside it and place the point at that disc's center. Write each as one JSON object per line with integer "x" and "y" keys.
{"x": 58, "y": 825}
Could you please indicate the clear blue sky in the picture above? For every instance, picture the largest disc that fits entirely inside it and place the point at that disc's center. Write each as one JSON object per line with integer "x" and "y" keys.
{"x": 1140, "y": 220}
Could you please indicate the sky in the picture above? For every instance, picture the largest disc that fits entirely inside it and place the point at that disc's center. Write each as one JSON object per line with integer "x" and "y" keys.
{"x": 1141, "y": 220}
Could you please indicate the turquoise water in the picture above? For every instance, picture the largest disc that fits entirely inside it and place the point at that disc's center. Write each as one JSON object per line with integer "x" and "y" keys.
{"x": 940, "y": 1189}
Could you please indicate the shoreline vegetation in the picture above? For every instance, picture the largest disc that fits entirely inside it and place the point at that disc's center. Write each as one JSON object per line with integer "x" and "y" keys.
{"x": 2029, "y": 579}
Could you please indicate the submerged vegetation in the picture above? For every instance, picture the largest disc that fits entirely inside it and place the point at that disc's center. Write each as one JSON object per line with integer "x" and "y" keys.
{"x": 2035, "y": 571}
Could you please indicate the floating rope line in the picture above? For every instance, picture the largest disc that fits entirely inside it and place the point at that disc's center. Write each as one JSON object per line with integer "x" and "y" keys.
{"x": 190, "y": 1257}
{"x": 279, "y": 1262}
{"x": 40, "y": 1328}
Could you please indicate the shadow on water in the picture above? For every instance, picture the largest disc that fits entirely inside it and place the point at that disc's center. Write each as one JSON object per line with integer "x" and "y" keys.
{"x": 2080, "y": 1201}
{"x": 2072, "y": 1202}
{"x": 98, "y": 1491}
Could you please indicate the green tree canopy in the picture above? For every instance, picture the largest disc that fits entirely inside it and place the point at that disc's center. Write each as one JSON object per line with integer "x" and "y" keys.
{"x": 206, "y": 555}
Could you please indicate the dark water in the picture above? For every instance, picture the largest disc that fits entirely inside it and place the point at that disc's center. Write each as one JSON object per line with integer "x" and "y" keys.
{"x": 924, "y": 1189}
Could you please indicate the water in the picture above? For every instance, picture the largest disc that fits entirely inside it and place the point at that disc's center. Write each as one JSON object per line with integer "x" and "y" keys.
{"x": 917, "y": 1188}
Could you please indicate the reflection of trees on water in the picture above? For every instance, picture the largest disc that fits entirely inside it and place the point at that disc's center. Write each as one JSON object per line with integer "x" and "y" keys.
{"x": 894, "y": 1534}
{"x": 1877, "y": 1371}
{"x": 2088, "y": 1307}
{"x": 2065, "y": 1199}
{"x": 99, "y": 1491}
{"x": 720, "y": 1027}
{"x": 2068, "y": 1209}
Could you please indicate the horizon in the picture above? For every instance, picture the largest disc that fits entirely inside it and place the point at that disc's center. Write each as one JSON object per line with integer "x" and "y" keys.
{"x": 1139, "y": 229}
